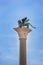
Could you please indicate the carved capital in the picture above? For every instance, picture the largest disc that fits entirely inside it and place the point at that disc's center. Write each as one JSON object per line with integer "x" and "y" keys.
{"x": 22, "y": 32}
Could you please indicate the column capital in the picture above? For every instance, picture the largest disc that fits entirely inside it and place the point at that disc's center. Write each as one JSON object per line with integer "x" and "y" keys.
{"x": 22, "y": 32}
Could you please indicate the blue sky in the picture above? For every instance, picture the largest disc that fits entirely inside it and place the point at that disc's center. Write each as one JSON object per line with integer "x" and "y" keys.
{"x": 10, "y": 12}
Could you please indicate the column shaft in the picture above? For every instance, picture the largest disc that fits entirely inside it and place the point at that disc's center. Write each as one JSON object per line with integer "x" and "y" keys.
{"x": 22, "y": 51}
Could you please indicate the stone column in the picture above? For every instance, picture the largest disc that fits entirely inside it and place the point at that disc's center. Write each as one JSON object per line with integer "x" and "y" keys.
{"x": 22, "y": 33}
